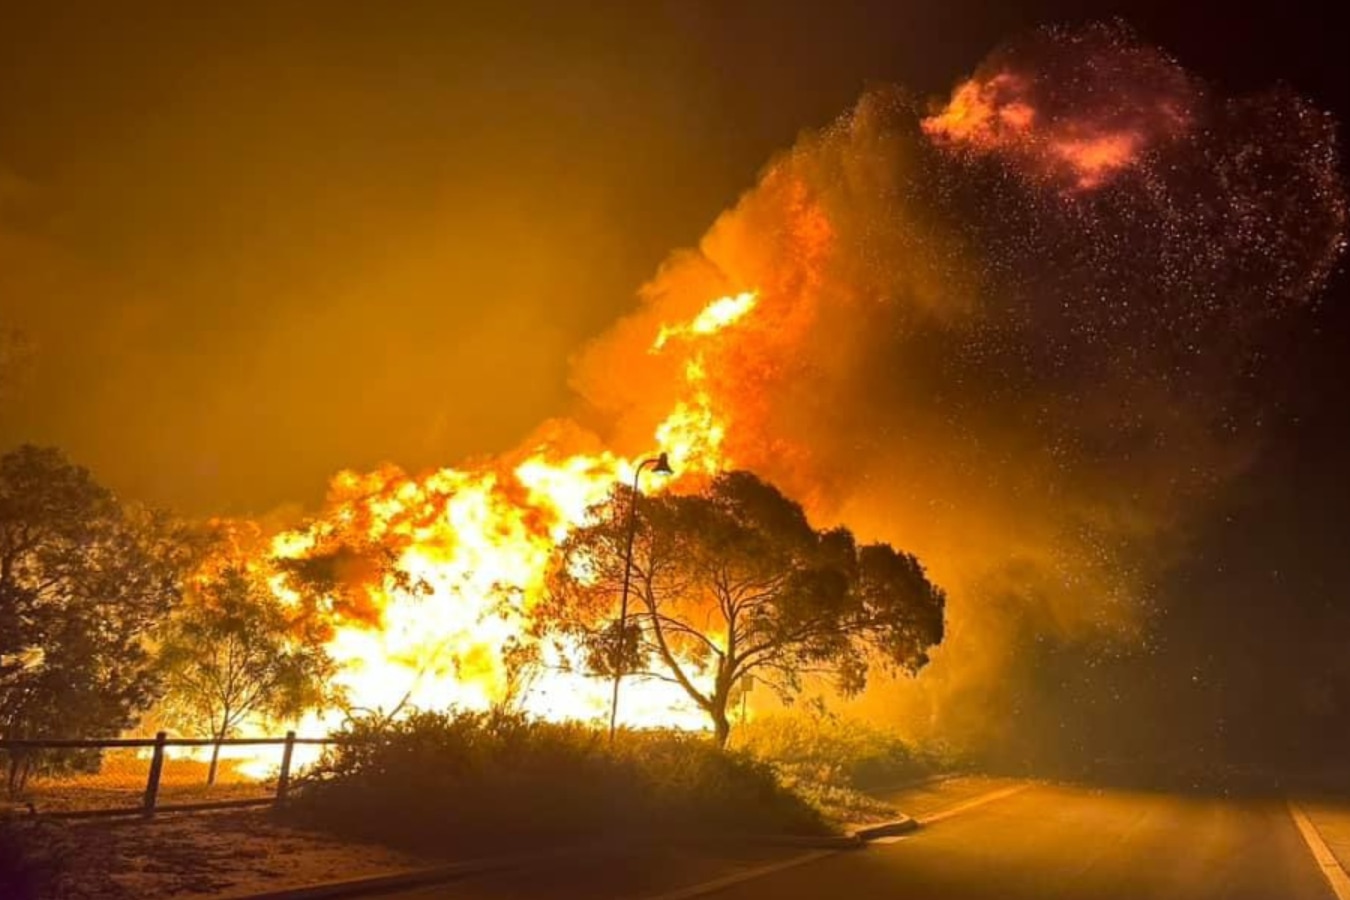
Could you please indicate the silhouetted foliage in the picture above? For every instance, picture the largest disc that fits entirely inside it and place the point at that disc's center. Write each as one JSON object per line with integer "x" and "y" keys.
{"x": 734, "y": 582}
{"x": 235, "y": 652}
{"x": 333, "y": 583}
{"x": 83, "y": 581}
{"x": 335, "y": 577}
{"x": 811, "y": 743}
{"x": 432, "y": 778}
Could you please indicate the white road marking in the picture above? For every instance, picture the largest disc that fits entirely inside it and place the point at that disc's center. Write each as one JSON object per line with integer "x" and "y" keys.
{"x": 719, "y": 884}
{"x": 1326, "y": 860}
{"x": 972, "y": 803}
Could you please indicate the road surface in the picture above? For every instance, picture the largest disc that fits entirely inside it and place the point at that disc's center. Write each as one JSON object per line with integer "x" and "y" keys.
{"x": 1041, "y": 841}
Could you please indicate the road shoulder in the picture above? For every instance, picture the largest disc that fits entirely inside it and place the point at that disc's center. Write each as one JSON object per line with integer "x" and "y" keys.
{"x": 1326, "y": 831}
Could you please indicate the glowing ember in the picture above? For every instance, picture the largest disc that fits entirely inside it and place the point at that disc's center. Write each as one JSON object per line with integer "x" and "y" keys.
{"x": 1052, "y": 305}
{"x": 1079, "y": 126}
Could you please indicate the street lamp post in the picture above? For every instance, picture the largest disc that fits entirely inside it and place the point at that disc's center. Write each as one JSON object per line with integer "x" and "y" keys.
{"x": 661, "y": 466}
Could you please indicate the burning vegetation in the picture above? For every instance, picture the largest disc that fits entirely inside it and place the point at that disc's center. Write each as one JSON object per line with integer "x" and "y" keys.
{"x": 450, "y": 590}
{"x": 1010, "y": 334}
{"x": 1013, "y": 334}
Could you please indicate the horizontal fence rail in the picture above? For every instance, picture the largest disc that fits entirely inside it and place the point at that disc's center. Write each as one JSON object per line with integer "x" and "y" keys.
{"x": 125, "y": 782}
{"x": 93, "y": 744}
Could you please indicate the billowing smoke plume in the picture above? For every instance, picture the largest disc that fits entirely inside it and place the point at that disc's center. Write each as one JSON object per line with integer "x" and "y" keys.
{"x": 1013, "y": 334}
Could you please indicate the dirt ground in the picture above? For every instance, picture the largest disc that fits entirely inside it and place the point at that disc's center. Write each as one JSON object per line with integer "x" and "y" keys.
{"x": 120, "y": 784}
{"x": 227, "y": 853}
{"x": 190, "y": 856}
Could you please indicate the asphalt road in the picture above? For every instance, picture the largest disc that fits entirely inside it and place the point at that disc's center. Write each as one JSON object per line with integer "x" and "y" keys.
{"x": 1044, "y": 842}
{"x": 1067, "y": 842}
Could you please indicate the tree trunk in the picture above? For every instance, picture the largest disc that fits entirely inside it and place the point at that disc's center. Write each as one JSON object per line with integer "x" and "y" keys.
{"x": 215, "y": 761}
{"x": 717, "y": 703}
{"x": 721, "y": 724}
{"x": 14, "y": 784}
{"x": 21, "y": 764}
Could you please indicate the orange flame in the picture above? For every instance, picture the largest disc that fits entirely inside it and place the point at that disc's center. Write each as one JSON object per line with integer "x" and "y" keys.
{"x": 473, "y": 545}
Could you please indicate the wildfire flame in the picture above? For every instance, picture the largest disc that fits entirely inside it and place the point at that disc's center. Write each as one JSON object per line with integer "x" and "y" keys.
{"x": 909, "y": 364}
{"x": 474, "y": 544}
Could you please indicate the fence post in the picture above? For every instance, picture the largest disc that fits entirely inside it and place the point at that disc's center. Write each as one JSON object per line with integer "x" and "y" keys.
{"x": 284, "y": 779}
{"x": 156, "y": 769}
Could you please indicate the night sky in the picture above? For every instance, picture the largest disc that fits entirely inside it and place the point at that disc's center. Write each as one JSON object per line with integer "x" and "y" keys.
{"x": 248, "y": 247}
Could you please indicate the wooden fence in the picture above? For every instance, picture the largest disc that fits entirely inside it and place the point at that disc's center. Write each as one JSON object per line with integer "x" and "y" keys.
{"x": 149, "y": 799}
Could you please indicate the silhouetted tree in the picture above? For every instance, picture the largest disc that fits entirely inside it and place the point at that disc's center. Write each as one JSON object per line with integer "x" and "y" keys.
{"x": 235, "y": 652}
{"x": 83, "y": 582}
{"x": 521, "y": 668}
{"x": 733, "y": 581}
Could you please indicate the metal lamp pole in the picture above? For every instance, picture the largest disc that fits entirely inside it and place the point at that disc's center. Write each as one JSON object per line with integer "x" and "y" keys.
{"x": 660, "y": 465}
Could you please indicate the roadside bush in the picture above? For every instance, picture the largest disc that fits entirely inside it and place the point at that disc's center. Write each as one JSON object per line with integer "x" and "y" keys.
{"x": 839, "y": 751}
{"x": 22, "y": 765}
{"x": 832, "y": 762}
{"x": 469, "y": 780}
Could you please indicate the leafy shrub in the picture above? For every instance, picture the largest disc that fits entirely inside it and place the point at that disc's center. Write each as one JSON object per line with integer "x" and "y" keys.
{"x": 832, "y": 750}
{"x": 466, "y": 780}
{"x": 832, "y": 761}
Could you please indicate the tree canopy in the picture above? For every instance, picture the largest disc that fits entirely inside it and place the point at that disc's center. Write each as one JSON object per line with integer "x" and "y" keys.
{"x": 234, "y": 652}
{"x": 734, "y": 581}
{"x": 83, "y": 581}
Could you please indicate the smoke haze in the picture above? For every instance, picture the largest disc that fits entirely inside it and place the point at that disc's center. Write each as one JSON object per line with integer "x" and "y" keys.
{"x": 1019, "y": 330}
{"x": 1026, "y": 361}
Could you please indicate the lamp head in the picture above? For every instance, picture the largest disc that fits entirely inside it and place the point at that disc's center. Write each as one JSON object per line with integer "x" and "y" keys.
{"x": 662, "y": 466}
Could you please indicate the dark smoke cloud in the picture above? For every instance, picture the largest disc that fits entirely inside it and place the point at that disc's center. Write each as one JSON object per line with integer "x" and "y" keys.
{"x": 1034, "y": 380}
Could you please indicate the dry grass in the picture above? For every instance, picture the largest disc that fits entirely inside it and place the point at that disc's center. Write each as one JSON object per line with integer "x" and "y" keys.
{"x": 836, "y": 763}
{"x": 841, "y": 805}
{"x": 120, "y": 784}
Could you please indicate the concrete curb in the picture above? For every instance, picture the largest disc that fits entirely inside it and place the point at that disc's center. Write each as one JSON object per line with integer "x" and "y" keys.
{"x": 717, "y": 885}
{"x": 805, "y": 841}
{"x": 903, "y": 825}
{"x": 351, "y": 887}
{"x": 411, "y": 878}
{"x": 855, "y": 839}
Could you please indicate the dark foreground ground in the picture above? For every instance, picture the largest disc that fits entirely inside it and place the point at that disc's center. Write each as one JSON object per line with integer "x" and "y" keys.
{"x": 1041, "y": 841}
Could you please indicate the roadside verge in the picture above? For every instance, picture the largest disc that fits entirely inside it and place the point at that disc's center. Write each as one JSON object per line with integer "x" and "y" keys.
{"x": 813, "y": 847}
{"x": 350, "y": 887}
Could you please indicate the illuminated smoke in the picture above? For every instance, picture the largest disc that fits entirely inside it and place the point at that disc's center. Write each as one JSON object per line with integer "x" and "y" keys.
{"x": 1011, "y": 335}
{"x": 1073, "y": 108}
{"x": 425, "y": 586}
{"x": 12, "y": 354}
